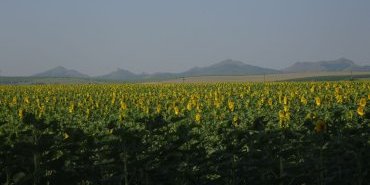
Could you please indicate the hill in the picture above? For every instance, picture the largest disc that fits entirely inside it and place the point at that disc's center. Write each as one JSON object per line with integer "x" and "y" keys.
{"x": 120, "y": 74}
{"x": 61, "y": 72}
{"x": 341, "y": 64}
{"x": 228, "y": 67}
{"x": 224, "y": 68}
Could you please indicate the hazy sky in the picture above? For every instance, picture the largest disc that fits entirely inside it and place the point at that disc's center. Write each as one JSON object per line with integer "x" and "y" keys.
{"x": 96, "y": 36}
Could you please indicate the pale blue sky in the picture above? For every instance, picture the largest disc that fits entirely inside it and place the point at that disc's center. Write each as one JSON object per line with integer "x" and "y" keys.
{"x": 96, "y": 36}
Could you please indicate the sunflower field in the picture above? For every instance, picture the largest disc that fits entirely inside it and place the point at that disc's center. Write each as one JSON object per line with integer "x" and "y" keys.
{"x": 216, "y": 133}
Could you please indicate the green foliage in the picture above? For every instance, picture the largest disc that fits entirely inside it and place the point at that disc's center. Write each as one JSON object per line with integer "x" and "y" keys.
{"x": 183, "y": 153}
{"x": 284, "y": 133}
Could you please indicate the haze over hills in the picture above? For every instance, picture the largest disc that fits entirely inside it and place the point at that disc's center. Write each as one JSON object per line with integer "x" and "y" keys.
{"x": 61, "y": 72}
{"x": 227, "y": 67}
{"x": 223, "y": 68}
{"x": 120, "y": 74}
{"x": 341, "y": 64}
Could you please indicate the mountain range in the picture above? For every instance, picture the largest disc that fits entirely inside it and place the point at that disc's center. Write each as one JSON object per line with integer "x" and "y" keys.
{"x": 224, "y": 68}
{"x": 61, "y": 72}
{"x": 341, "y": 64}
{"x": 228, "y": 67}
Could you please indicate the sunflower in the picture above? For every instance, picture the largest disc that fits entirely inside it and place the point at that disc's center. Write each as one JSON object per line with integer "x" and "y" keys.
{"x": 318, "y": 101}
{"x": 197, "y": 117}
{"x": 360, "y": 110}
{"x": 270, "y": 101}
{"x": 123, "y": 106}
{"x": 303, "y": 100}
{"x": 235, "y": 119}
{"x": 65, "y": 136}
{"x": 286, "y": 108}
{"x": 177, "y": 110}
{"x": 231, "y": 105}
{"x": 71, "y": 108}
{"x": 20, "y": 114}
{"x": 189, "y": 106}
{"x": 158, "y": 108}
{"x": 285, "y": 100}
{"x": 362, "y": 102}
{"x": 26, "y": 100}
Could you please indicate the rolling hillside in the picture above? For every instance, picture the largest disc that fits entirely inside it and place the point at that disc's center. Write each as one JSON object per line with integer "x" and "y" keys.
{"x": 61, "y": 72}
{"x": 341, "y": 64}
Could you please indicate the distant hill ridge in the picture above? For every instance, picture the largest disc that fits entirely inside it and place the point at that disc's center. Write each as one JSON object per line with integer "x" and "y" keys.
{"x": 61, "y": 72}
{"x": 120, "y": 74}
{"x": 341, "y": 64}
{"x": 227, "y": 67}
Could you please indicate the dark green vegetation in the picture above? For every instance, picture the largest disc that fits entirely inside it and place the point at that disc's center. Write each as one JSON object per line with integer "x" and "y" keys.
{"x": 223, "y": 133}
{"x": 154, "y": 151}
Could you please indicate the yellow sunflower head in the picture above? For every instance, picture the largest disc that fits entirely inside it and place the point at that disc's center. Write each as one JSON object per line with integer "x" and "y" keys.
{"x": 197, "y": 117}
{"x": 363, "y": 102}
{"x": 360, "y": 111}
{"x": 318, "y": 101}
